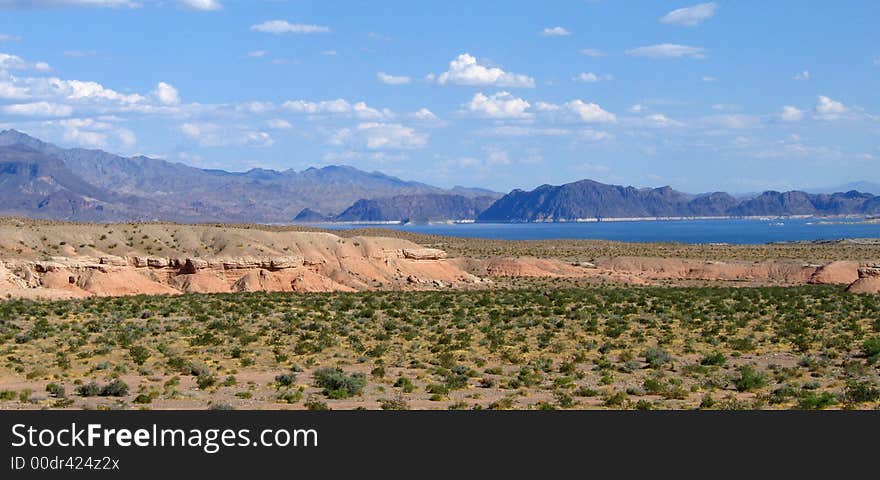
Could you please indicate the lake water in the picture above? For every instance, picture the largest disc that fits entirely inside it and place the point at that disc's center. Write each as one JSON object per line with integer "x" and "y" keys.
{"x": 685, "y": 231}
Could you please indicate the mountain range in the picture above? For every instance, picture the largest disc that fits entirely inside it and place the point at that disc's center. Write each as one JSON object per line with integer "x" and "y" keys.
{"x": 41, "y": 180}
{"x": 38, "y": 179}
{"x": 589, "y": 200}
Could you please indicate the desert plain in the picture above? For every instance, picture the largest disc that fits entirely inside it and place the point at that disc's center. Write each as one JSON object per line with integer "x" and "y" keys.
{"x": 174, "y": 316}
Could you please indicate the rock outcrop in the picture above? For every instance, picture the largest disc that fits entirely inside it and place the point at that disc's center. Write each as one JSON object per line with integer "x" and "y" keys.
{"x": 869, "y": 280}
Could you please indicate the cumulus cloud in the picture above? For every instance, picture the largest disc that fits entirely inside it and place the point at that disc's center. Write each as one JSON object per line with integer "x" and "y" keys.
{"x": 465, "y": 70}
{"x": 498, "y": 105}
{"x": 802, "y": 76}
{"x": 14, "y": 62}
{"x": 589, "y": 112}
{"x": 393, "y": 79}
{"x": 555, "y": 32}
{"x": 338, "y": 107}
{"x": 590, "y": 77}
{"x": 380, "y": 136}
{"x": 791, "y": 114}
{"x": 424, "y": 114}
{"x": 202, "y": 5}
{"x": 279, "y": 27}
{"x": 167, "y": 94}
{"x": 668, "y": 50}
{"x": 38, "y": 109}
{"x": 215, "y": 135}
{"x": 828, "y": 109}
{"x": 690, "y": 16}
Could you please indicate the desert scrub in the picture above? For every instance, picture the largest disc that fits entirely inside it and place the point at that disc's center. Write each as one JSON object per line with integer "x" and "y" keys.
{"x": 540, "y": 345}
{"x": 337, "y": 384}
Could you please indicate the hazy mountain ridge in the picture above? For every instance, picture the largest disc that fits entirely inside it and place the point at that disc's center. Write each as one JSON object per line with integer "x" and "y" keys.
{"x": 587, "y": 199}
{"x": 174, "y": 191}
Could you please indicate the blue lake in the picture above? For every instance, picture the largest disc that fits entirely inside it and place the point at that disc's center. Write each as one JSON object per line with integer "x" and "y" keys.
{"x": 685, "y": 231}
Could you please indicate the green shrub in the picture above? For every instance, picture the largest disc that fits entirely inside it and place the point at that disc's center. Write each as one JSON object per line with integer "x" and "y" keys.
{"x": 337, "y": 384}
{"x": 405, "y": 384}
{"x": 749, "y": 379}
{"x": 656, "y": 357}
{"x": 860, "y": 391}
{"x": 814, "y": 401}
{"x": 285, "y": 379}
{"x": 871, "y": 348}
{"x": 714, "y": 358}
{"x": 116, "y": 388}
{"x": 55, "y": 390}
{"x": 91, "y": 389}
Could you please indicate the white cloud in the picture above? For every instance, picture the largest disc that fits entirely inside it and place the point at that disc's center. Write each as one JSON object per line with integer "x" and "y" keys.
{"x": 393, "y": 79}
{"x": 257, "y": 53}
{"x": 380, "y": 136}
{"x": 668, "y": 50}
{"x": 690, "y": 16}
{"x": 5, "y": 37}
{"x": 14, "y": 62}
{"x": 330, "y": 53}
{"x": 424, "y": 114}
{"x": 202, "y": 5}
{"x": 592, "y": 52}
{"x": 257, "y": 108}
{"x": 791, "y": 114}
{"x": 498, "y": 105}
{"x": 338, "y": 107}
{"x": 709, "y": 78}
{"x": 657, "y": 120}
{"x": 555, "y": 32}
{"x": 828, "y": 109}
{"x": 278, "y": 124}
{"x": 215, "y": 135}
{"x": 802, "y": 76}
{"x": 91, "y": 133}
{"x": 81, "y": 90}
{"x": 38, "y": 109}
{"x": 465, "y": 70}
{"x": 590, "y": 77}
{"x": 279, "y": 27}
{"x": 589, "y": 112}
{"x": 636, "y": 108}
{"x": 167, "y": 94}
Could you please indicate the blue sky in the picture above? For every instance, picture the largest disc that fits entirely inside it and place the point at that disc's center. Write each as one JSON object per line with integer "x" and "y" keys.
{"x": 739, "y": 96}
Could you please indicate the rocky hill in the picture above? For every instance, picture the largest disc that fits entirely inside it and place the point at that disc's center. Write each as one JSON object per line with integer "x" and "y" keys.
{"x": 416, "y": 208}
{"x": 587, "y": 199}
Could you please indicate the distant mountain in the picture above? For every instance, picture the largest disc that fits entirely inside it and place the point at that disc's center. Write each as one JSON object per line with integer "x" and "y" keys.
{"x": 863, "y": 186}
{"x": 587, "y": 199}
{"x": 416, "y": 208}
{"x": 38, "y": 185}
{"x": 174, "y": 191}
{"x": 307, "y": 215}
